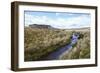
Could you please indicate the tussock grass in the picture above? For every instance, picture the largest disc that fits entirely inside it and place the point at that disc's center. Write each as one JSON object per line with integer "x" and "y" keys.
{"x": 38, "y": 43}
{"x": 81, "y": 50}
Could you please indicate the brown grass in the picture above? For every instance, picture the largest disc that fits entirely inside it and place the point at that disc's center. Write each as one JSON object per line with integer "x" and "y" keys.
{"x": 40, "y": 42}
{"x": 81, "y": 50}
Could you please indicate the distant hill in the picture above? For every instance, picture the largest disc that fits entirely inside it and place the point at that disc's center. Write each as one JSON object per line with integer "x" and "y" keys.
{"x": 41, "y": 26}
{"x": 79, "y": 29}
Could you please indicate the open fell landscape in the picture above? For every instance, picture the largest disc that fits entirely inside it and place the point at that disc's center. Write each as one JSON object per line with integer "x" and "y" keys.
{"x": 42, "y": 40}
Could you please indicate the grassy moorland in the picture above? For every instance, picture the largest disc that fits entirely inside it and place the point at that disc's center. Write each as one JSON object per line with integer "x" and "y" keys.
{"x": 82, "y": 48}
{"x": 39, "y": 43}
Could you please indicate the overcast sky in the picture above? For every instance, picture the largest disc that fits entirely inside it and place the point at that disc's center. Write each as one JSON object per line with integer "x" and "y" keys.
{"x": 61, "y": 20}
